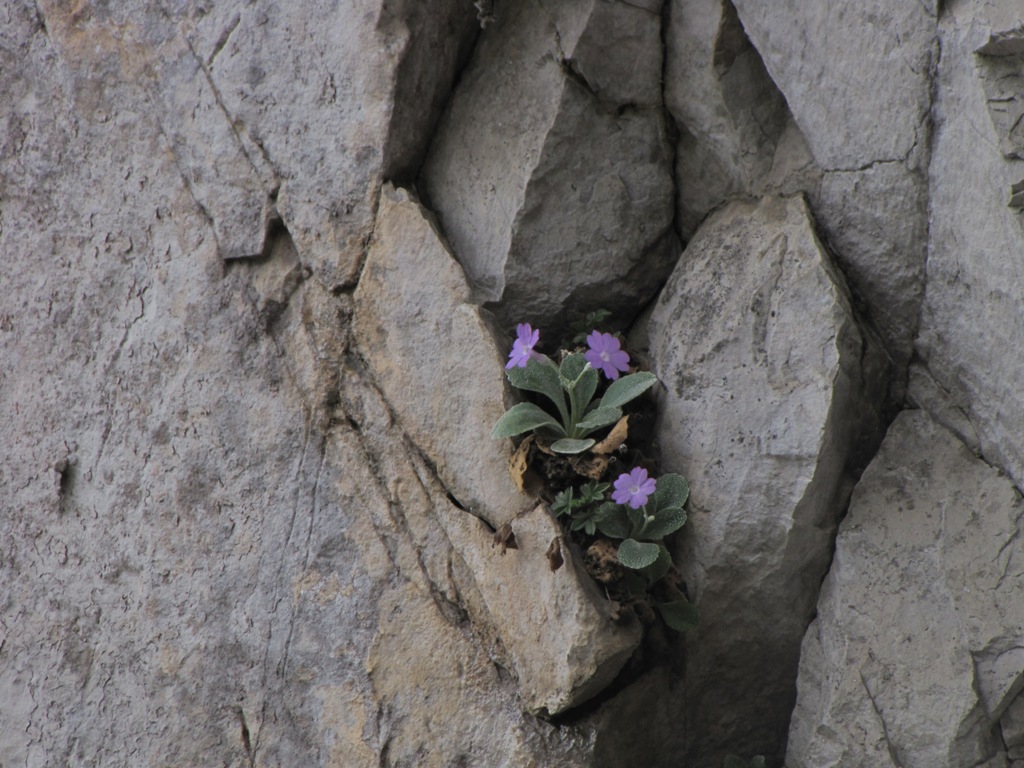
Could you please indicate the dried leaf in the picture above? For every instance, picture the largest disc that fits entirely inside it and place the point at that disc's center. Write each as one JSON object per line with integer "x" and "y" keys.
{"x": 592, "y": 467}
{"x": 545, "y": 448}
{"x": 615, "y": 438}
{"x": 520, "y": 462}
{"x": 554, "y": 553}
{"x": 505, "y": 538}
{"x": 602, "y": 561}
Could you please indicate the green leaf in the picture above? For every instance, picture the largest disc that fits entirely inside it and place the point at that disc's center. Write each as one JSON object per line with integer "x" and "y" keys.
{"x": 569, "y": 446}
{"x": 588, "y": 519}
{"x": 757, "y": 762}
{"x": 585, "y": 389}
{"x": 615, "y": 524}
{"x": 523, "y": 418}
{"x": 672, "y": 490}
{"x": 627, "y": 388}
{"x": 571, "y": 368}
{"x": 541, "y": 376}
{"x": 593, "y": 492}
{"x": 636, "y": 517}
{"x": 665, "y": 521}
{"x": 681, "y": 615}
{"x": 562, "y": 505}
{"x": 659, "y": 567}
{"x": 597, "y": 418}
{"x": 636, "y": 555}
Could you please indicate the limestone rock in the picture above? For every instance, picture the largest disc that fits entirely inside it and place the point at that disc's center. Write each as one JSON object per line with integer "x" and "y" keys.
{"x": 810, "y": 53}
{"x": 915, "y": 655}
{"x": 555, "y": 626}
{"x": 772, "y": 392}
{"x": 438, "y": 367}
{"x": 434, "y": 358}
{"x": 970, "y": 322}
{"x": 730, "y": 115}
{"x": 551, "y": 169}
{"x": 830, "y": 62}
{"x": 326, "y": 98}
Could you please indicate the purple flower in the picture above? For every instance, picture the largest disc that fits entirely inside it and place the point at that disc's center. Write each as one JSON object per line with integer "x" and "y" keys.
{"x": 605, "y": 353}
{"x": 634, "y": 488}
{"x": 522, "y": 347}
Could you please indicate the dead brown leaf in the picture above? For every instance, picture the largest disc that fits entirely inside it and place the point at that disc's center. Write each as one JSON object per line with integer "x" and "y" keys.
{"x": 505, "y": 538}
{"x": 589, "y": 466}
{"x": 520, "y": 462}
{"x": 615, "y": 438}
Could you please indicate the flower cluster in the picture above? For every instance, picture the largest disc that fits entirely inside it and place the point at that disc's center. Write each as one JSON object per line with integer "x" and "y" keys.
{"x": 605, "y": 352}
{"x": 566, "y": 410}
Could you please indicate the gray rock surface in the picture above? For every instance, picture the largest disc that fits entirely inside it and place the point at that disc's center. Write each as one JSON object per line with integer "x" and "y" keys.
{"x": 737, "y": 137}
{"x": 970, "y": 322}
{"x": 830, "y": 62}
{"x": 325, "y": 100}
{"x": 916, "y": 652}
{"x": 551, "y": 171}
{"x": 434, "y": 357}
{"x": 771, "y": 396}
{"x": 217, "y": 548}
{"x": 236, "y": 515}
{"x": 438, "y": 367}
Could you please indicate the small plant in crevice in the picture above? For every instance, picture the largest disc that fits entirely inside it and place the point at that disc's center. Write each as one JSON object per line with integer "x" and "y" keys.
{"x": 572, "y": 432}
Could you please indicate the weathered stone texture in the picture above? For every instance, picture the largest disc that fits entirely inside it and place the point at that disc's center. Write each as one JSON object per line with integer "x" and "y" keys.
{"x": 434, "y": 357}
{"x": 830, "y": 61}
{"x": 772, "y": 389}
{"x": 737, "y": 137}
{"x": 551, "y": 171}
{"x": 971, "y": 321}
{"x": 916, "y": 651}
{"x": 437, "y": 365}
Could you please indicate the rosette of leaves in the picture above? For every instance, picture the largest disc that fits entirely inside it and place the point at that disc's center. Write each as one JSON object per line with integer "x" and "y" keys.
{"x": 570, "y": 388}
{"x": 583, "y": 510}
{"x": 642, "y": 531}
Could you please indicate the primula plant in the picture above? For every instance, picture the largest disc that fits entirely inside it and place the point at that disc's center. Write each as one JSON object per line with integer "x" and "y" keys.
{"x": 570, "y": 387}
{"x": 622, "y": 523}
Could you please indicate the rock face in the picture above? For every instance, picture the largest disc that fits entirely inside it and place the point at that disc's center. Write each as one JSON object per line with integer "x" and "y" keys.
{"x": 551, "y": 172}
{"x": 435, "y": 361}
{"x": 768, "y": 99}
{"x": 737, "y": 137}
{"x": 767, "y": 423}
{"x": 915, "y": 655}
{"x": 260, "y": 262}
{"x": 434, "y": 357}
{"x": 970, "y": 320}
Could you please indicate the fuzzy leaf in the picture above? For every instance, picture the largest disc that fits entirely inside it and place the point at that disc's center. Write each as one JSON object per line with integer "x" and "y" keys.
{"x": 585, "y": 389}
{"x": 540, "y": 376}
{"x": 681, "y": 615}
{"x": 597, "y": 418}
{"x": 672, "y": 491}
{"x": 615, "y": 524}
{"x": 570, "y": 446}
{"x": 523, "y": 418}
{"x": 572, "y": 367}
{"x": 627, "y": 388}
{"x": 665, "y": 521}
{"x": 636, "y": 554}
{"x": 659, "y": 567}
